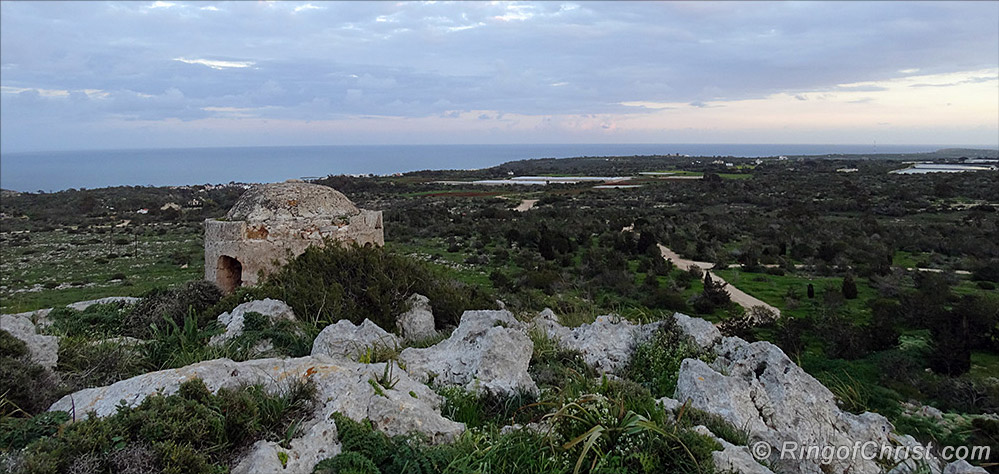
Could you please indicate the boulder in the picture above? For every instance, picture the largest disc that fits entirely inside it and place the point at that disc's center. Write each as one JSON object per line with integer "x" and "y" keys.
{"x": 341, "y": 386}
{"x": 606, "y": 344}
{"x": 318, "y": 442}
{"x": 43, "y": 350}
{"x": 963, "y": 467}
{"x": 488, "y": 351}
{"x": 233, "y": 321}
{"x": 671, "y": 405}
{"x": 417, "y": 324}
{"x": 547, "y": 322}
{"x": 83, "y": 305}
{"x": 702, "y": 333}
{"x": 40, "y": 317}
{"x": 344, "y": 340}
{"x": 738, "y": 459}
{"x": 757, "y": 388}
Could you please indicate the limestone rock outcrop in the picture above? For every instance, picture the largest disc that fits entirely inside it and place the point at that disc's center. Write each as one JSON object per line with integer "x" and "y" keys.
{"x": 275, "y": 310}
{"x": 417, "y": 324}
{"x": 341, "y": 386}
{"x": 318, "y": 442}
{"x": 344, "y": 340}
{"x": 83, "y": 305}
{"x": 758, "y": 388}
{"x": 963, "y": 467}
{"x": 44, "y": 350}
{"x": 488, "y": 351}
{"x": 702, "y": 333}
{"x": 606, "y": 344}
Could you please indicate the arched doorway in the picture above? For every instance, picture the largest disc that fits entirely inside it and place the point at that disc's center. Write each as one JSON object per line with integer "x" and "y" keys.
{"x": 229, "y": 274}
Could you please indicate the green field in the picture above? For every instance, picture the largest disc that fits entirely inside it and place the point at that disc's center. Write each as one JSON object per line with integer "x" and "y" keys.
{"x": 44, "y": 269}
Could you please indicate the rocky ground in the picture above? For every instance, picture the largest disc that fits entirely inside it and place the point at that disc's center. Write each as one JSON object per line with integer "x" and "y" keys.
{"x": 752, "y": 386}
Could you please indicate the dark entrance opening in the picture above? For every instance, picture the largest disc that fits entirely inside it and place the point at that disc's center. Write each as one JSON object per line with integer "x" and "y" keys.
{"x": 229, "y": 274}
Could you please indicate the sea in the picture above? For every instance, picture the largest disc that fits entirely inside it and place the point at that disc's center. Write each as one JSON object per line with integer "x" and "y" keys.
{"x": 59, "y": 170}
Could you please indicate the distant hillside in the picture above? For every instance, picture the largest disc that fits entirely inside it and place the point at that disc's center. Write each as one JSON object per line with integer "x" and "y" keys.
{"x": 633, "y": 164}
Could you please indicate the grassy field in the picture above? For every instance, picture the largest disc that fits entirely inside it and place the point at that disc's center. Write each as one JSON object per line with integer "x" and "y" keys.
{"x": 46, "y": 269}
{"x": 782, "y": 290}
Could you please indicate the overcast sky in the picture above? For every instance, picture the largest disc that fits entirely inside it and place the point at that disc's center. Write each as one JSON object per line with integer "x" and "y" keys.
{"x": 81, "y": 75}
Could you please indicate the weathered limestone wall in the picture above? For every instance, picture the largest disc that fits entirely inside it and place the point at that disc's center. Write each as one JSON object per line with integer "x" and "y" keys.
{"x": 257, "y": 245}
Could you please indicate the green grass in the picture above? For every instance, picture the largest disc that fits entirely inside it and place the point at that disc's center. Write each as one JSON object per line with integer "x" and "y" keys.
{"x": 455, "y": 261}
{"x": 773, "y": 289}
{"x": 905, "y": 259}
{"x": 984, "y": 364}
{"x": 57, "y": 267}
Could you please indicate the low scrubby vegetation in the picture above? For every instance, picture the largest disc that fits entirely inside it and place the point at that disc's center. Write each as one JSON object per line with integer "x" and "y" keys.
{"x": 326, "y": 284}
{"x": 192, "y": 431}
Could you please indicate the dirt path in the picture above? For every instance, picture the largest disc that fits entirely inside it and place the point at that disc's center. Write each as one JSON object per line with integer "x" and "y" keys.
{"x": 738, "y": 296}
{"x": 526, "y": 205}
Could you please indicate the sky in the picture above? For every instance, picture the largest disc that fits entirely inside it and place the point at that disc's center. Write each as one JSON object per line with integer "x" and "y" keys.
{"x": 108, "y": 75}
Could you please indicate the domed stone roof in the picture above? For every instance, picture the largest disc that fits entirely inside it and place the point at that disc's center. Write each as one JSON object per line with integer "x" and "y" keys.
{"x": 290, "y": 199}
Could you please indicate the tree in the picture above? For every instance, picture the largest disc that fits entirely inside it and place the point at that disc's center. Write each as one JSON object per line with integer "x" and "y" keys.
{"x": 849, "y": 288}
{"x": 715, "y": 292}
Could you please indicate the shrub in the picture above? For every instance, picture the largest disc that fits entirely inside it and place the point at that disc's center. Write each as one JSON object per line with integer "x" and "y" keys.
{"x": 331, "y": 282}
{"x": 849, "y": 288}
{"x": 286, "y": 338}
{"x": 655, "y": 364}
{"x": 347, "y": 463}
{"x": 192, "y": 431}
{"x": 99, "y": 320}
{"x": 400, "y": 454}
{"x": 175, "y": 304}
{"x": 16, "y": 433}
{"x": 553, "y": 365}
{"x": 85, "y": 363}
{"x": 25, "y": 387}
{"x": 691, "y": 417}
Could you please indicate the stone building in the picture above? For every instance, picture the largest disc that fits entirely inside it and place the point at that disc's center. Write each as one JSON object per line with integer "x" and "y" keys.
{"x": 272, "y": 222}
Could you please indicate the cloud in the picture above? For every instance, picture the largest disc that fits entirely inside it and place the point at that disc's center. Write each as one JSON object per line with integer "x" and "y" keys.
{"x": 307, "y": 6}
{"x": 577, "y": 64}
{"x": 216, "y": 64}
{"x": 161, "y": 4}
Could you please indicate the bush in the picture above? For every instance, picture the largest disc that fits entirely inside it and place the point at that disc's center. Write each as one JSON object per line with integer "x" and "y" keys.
{"x": 99, "y": 320}
{"x": 25, "y": 387}
{"x": 332, "y": 282}
{"x": 287, "y": 338}
{"x": 849, "y": 288}
{"x": 175, "y": 304}
{"x": 192, "y": 431}
{"x": 85, "y": 363}
{"x": 16, "y": 433}
{"x": 172, "y": 345}
{"x": 655, "y": 364}
{"x": 400, "y": 454}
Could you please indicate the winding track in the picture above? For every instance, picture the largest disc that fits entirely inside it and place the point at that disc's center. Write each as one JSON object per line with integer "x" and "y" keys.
{"x": 738, "y": 296}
